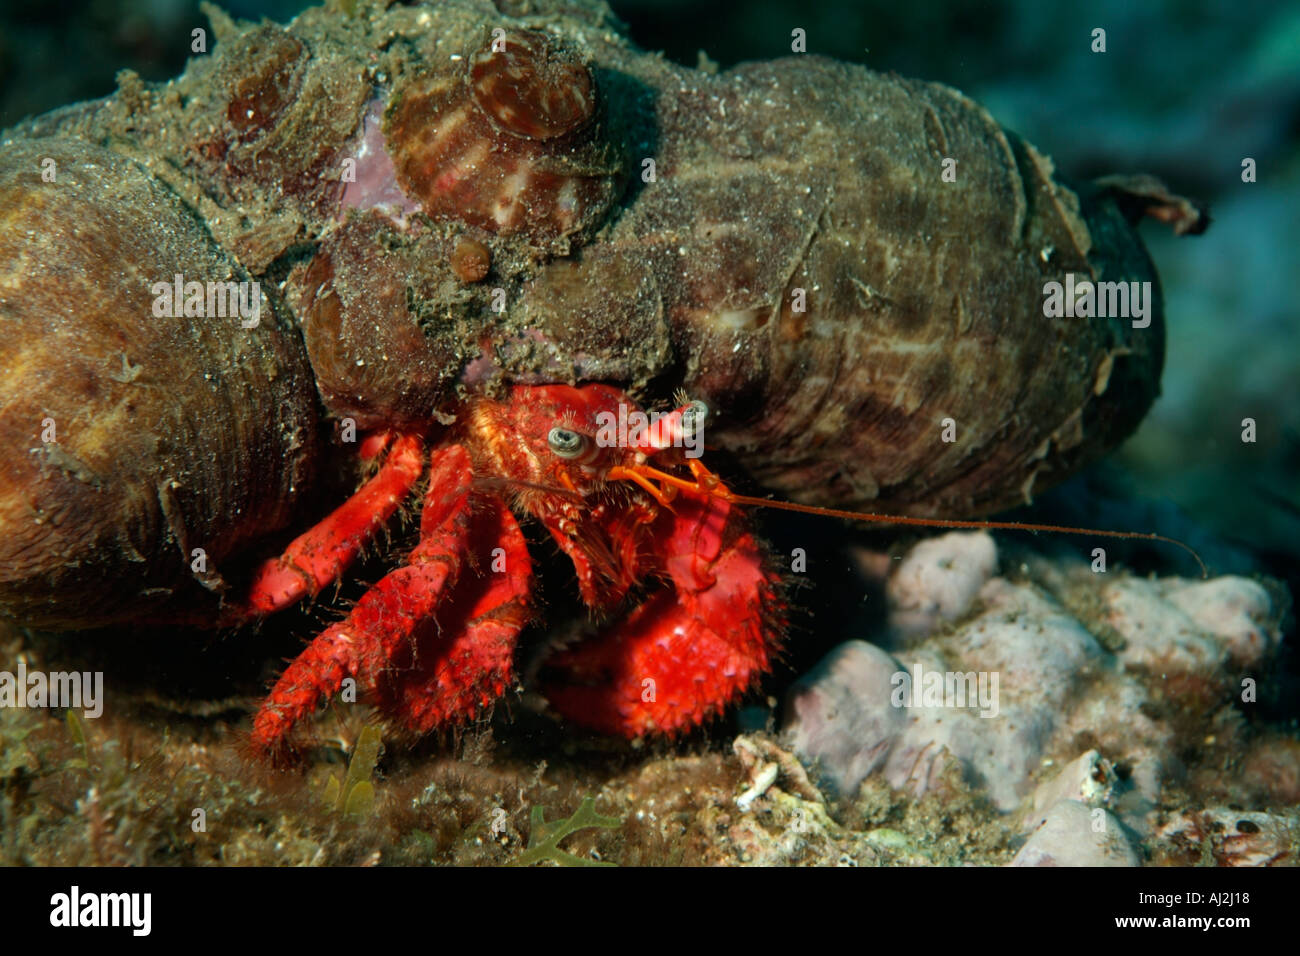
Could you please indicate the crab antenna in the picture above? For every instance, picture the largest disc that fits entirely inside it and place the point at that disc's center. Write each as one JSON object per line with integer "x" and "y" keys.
{"x": 953, "y": 523}
{"x": 686, "y": 421}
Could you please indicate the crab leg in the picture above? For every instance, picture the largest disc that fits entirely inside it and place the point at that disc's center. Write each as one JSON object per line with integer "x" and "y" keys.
{"x": 324, "y": 552}
{"x": 705, "y": 483}
{"x": 362, "y": 645}
{"x": 467, "y": 662}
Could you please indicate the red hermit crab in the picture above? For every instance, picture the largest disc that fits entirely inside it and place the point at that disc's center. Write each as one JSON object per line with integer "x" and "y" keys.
{"x": 435, "y": 639}
{"x": 467, "y": 237}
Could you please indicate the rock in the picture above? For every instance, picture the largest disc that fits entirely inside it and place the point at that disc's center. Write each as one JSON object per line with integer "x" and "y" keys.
{"x": 1160, "y": 637}
{"x": 1232, "y": 837}
{"x": 1090, "y": 780}
{"x": 1074, "y": 834}
{"x": 937, "y": 581}
{"x": 1017, "y": 683}
{"x": 837, "y": 718}
{"x": 1235, "y": 610}
{"x": 989, "y": 700}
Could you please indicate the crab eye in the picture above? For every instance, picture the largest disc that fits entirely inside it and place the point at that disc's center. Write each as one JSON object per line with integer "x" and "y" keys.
{"x": 565, "y": 442}
{"x": 693, "y": 417}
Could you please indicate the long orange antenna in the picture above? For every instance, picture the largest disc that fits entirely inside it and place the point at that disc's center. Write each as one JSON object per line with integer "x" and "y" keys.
{"x": 952, "y": 523}
{"x": 706, "y": 482}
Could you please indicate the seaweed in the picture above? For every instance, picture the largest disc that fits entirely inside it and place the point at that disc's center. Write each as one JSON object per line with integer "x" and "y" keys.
{"x": 79, "y": 739}
{"x": 355, "y": 794}
{"x": 544, "y": 838}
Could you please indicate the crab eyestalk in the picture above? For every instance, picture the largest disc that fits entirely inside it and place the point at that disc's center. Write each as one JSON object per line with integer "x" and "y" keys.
{"x": 680, "y": 428}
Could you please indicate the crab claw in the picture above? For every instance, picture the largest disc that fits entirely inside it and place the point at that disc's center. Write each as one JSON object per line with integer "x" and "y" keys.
{"x": 689, "y": 650}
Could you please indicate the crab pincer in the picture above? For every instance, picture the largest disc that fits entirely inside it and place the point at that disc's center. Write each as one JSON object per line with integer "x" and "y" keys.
{"x": 696, "y": 645}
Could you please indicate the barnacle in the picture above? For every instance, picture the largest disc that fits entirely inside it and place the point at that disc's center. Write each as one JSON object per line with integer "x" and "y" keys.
{"x": 471, "y": 260}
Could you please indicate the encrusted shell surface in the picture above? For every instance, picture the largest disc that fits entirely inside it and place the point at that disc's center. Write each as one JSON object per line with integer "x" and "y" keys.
{"x": 130, "y": 439}
{"x": 373, "y": 361}
{"x": 809, "y": 183}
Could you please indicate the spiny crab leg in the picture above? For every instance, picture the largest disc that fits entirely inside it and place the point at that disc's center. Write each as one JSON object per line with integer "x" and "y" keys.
{"x": 689, "y": 649}
{"x": 363, "y": 645}
{"x": 320, "y": 555}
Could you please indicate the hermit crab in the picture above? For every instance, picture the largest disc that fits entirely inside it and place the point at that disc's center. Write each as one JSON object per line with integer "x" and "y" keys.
{"x": 439, "y": 248}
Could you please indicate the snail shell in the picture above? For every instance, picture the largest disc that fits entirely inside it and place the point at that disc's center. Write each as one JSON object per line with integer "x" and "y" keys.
{"x": 836, "y": 302}
{"x": 131, "y": 439}
{"x": 514, "y": 143}
{"x": 789, "y": 253}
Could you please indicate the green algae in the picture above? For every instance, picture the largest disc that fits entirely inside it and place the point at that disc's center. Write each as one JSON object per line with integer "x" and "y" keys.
{"x": 78, "y": 738}
{"x": 544, "y": 838}
{"x": 355, "y": 794}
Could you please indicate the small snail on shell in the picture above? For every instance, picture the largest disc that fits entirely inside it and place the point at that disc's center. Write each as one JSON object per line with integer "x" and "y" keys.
{"x": 513, "y": 142}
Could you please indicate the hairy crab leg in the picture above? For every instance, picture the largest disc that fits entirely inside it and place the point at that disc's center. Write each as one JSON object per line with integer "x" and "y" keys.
{"x": 468, "y": 663}
{"x": 320, "y": 555}
{"x": 362, "y": 645}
